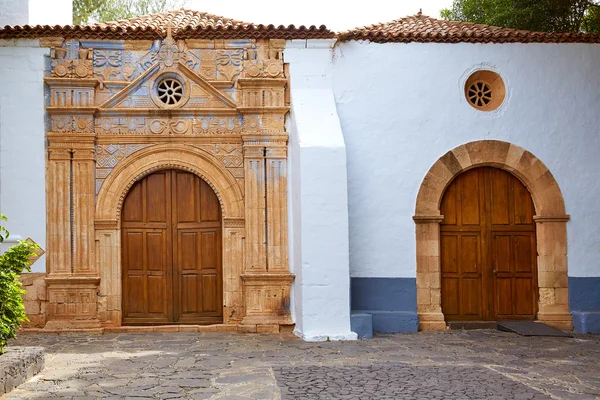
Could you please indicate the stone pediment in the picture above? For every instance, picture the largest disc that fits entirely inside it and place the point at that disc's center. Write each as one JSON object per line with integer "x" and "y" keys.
{"x": 173, "y": 88}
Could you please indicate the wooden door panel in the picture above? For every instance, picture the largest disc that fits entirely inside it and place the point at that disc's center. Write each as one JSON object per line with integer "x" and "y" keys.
{"x": 470, "y": 294}
{"x": 156, "y": 249}
{"x": 499, "y": 202}
{"x": 502, "y": 260}
{"x": 171, "y": 257}
{"x": 210, "y": 210}
{"x": 209, "y": 293}
{"x": 450, "y": 296}
{"x": 156, "y": 195}
{"x": 469, "y": 255}
{"x": 524, "y": 253}
{"x": 469, "y": 207}
{"x": 186, "y": 193}
{"x": 504, "y": 296}
{"x": 522, "y": 204}
{"x": 134, "y": 243}
{"x": 133, "y": 206}
{"x": 524, "y": 305}
{"x": 208, "y": 250}
{"x": 449, "y": 259}
{"x": 488, "y": 248}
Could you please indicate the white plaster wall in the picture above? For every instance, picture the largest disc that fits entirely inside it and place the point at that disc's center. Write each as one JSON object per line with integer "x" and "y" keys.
{"x": 317, "y": 197}
{"x": 401, "y": 107}
{"x": 22, "y": 154}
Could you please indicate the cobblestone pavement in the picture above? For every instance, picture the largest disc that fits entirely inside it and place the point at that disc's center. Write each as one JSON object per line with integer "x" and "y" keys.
{"x": 482, "y": 364}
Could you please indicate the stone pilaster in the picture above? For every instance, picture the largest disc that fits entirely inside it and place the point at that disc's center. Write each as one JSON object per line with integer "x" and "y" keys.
{"x": 58, "y": 200}
{"x": 254, "y": 165}
{"x": 553, "y": 283}
{"x": 276, "y": 200}
{"x": 233, "y": 241}
{"x": 83, "y": 211}
{"x": 429, "y": 292}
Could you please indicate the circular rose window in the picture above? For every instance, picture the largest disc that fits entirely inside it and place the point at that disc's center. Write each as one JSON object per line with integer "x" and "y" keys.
{"x": 485, "y": 90}
{"x": 170, "y": 91}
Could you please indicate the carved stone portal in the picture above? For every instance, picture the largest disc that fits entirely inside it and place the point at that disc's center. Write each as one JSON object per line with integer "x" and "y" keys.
{"x": 120, "y": 110}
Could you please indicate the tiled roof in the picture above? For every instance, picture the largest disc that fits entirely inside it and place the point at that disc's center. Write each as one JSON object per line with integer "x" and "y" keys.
{"x": 421, "y": 28}
{"x": 185, "y": 24}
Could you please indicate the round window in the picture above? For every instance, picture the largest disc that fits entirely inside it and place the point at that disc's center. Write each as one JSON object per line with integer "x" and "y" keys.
{"x": 485, "y": 91}
{"x": 170, "y": 91}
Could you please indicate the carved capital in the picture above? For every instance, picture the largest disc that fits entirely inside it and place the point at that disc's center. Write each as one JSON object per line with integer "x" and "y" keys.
{"x": 59, "y": 154}
{"x": 276, "y": 152}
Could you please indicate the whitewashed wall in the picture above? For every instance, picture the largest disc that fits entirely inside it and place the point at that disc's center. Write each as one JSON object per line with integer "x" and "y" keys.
{"x": 401, "y": 107}
{"x": 22, "y": 153}
{"x": 318, "y": 208}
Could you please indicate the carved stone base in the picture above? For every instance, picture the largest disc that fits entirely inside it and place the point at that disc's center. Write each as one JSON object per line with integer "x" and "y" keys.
{"x": 432, "y": 322}
{"x": 72, "y": 302}
{"x": 267, "y": 299}
{"x": 562, "y": 320}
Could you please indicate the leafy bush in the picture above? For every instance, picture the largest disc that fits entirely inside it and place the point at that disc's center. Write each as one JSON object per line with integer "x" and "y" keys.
{"x": 12, "y": 264}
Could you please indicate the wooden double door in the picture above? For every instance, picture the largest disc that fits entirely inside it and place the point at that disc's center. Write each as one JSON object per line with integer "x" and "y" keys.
{"x": 488, "y": 248}
{"x": 171, "y": 251}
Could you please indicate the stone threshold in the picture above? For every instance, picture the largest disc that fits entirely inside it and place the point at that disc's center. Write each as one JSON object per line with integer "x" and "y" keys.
{"x": 231, "y": 328}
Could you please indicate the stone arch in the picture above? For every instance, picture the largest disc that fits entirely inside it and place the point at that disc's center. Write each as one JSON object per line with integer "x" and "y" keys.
{"x": 108, "y": 228}
{"x": 176, "y": 156}
{"x": 551, "y": 220}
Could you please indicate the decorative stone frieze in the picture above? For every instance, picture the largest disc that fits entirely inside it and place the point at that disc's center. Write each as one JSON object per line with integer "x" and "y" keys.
{"x": 120, "y": 110}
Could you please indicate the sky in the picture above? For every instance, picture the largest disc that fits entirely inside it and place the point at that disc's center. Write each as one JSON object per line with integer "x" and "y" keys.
{"x": 338, "y": 15}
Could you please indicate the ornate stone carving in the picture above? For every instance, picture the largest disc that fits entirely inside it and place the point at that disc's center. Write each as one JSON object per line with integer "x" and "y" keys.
{"x": 105, "y": 132}
{"x": 78, "y": 67}
{"x": 109, "y": 155}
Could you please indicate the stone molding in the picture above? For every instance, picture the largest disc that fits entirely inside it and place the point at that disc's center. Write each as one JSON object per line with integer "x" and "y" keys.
{"x": 551, "y": 229}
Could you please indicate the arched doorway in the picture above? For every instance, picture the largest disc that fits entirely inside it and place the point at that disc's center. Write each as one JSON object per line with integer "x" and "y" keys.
{"x": 171, "y": 251}
{"x": 550, "y": 228}
{"x": 488, "y": 248}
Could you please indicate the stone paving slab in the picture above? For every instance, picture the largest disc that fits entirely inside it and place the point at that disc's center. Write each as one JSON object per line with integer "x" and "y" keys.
{"x": 453, "y": 364}
{"x": 399, "y": 381}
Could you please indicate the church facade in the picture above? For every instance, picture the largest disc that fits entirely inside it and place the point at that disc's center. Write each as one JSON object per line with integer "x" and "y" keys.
{"x": 189, "y": 172}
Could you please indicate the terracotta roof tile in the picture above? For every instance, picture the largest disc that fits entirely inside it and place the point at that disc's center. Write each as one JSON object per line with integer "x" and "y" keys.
{"x": 185, "y": 24}
{"x": 421, "y": 28}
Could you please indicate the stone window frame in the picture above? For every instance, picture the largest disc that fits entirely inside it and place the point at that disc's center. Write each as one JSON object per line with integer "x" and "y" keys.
{"x": 551, "y": 228}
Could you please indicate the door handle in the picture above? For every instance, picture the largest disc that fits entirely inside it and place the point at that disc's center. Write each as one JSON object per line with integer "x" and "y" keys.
{"x": 494, "y": 271}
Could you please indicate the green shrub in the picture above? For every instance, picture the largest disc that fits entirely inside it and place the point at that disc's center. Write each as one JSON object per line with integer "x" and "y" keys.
{"x": 13, "y": 262}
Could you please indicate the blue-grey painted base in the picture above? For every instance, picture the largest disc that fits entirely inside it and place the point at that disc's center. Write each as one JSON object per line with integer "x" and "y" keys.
{"x": 584, "y": 300}
{"x": 586, "y": 321}
{"x": 392, "y": 303}
{"x": 362, "y": 325}
{"x": 394, "y": 321}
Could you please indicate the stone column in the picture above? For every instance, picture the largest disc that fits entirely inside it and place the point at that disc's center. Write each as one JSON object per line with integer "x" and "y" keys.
{"x": 553, "y": 281}
{"x": 233, "y": 241}
{"x": 58, "y": 203}
{"x": 254, "y": 170}
{"x": 276, "y": 200}
{"x": 429, "y": 292}
{"x": 108, "y": 254}
{"x": 83, "y": 211}
{"x": 72, "y": 282}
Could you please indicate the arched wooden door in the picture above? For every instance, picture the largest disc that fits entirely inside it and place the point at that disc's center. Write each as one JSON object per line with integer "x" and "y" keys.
{"x": 171, "y": 251}
{"x": 488, "y": 248}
